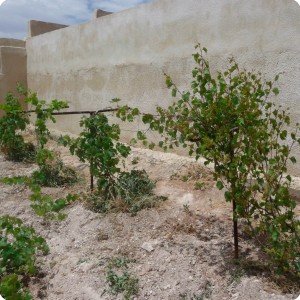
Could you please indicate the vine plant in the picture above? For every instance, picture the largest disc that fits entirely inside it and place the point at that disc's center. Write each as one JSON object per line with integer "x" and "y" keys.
{"x": 99, "y": 145}
{"x": 52, "y": 171}
{"x": 231, "y": 121}
{"x": 13, "y": 122}
{"x": 19, "y": 245}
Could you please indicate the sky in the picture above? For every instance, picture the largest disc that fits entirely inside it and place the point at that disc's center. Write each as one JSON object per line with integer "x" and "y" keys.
{"x": 15, "y": 14}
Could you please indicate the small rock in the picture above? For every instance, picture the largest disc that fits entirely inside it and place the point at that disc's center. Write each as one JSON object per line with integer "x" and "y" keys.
{"x": 148, "y": 247}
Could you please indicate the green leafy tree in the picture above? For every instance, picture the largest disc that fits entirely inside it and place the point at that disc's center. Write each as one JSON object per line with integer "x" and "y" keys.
{"x": 231, "y": 121}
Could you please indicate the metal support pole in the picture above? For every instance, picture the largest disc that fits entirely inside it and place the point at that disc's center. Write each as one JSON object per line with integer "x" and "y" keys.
{"x": 235, "y": 231}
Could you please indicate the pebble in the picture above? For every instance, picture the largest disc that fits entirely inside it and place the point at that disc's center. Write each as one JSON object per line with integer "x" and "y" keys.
{"x": 148, "y": 247}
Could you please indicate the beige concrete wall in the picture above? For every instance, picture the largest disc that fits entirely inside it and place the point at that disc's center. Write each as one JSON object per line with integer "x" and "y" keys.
{"x": 124, "y": 54}
{"x": 98, "y": 13}
{"x": 12, "y": 66}
{"x": 11, "y": 42}
{"x": 39, "y": 27}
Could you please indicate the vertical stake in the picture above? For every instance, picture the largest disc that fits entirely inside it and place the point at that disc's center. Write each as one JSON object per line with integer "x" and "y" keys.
{"x": 235, "y": 231}
{"x": 91, "y": 175}
{"x": 92, "y": 181}
{"x": 234, "y": 215}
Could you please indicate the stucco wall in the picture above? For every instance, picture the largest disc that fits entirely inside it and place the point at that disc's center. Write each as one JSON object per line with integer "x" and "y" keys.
{"x": 39, "y": 27}
{"x": 124, "y": 54}
{"x": 12, "y": 66}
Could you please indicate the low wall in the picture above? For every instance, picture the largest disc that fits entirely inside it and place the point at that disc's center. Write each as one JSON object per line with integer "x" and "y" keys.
{"x": 12, "y": 66}
{"x": 125, "y": 54}
{"x": 39, "y": 27}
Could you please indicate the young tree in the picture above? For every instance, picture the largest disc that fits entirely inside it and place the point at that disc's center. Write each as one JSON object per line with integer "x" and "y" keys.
{"x": 231, "y": 122}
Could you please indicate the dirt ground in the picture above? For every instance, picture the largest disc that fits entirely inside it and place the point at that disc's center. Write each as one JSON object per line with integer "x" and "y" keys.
{"x": 180, "y": 250}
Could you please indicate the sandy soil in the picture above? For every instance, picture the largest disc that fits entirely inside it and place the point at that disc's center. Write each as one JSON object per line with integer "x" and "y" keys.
{"x": 181, "y": 250}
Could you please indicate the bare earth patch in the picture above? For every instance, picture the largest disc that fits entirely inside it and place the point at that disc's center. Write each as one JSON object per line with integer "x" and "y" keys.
{"x": 181, "y": 250}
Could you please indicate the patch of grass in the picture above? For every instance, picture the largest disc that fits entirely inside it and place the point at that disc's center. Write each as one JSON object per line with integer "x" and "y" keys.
{"x": 135, "y": 160}
{"x": 185, "y": 178}
{"x": 19, "y": 152}
{"x": 53, "y": 174}
{"x": 187, "y": 209}
{"x": 120, "y": 280}
{"x": 199, "y": 186}
{"x": 133, "y": 192}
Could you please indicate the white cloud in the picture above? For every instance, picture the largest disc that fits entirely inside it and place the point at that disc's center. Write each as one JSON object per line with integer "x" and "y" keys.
{"x": 15, "y": 14}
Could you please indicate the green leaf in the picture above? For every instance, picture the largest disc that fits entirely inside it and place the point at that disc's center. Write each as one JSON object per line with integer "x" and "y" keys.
{"x": 293, "y": 159}
{"x": 220, "y": 185}
{"x": 283, "y": 135}
{"x": 174, "y": 91}
{"x": 147, "y": 118}
{"x": 276, "y": 91}
{"x": 141, "y": 135}
{"x": 169, "y": 82}
{"x": 275, "y": 235}
{"x": 228, "y": 196}
{"x": 133, "y": 141}
{"x": 114, "y": 100}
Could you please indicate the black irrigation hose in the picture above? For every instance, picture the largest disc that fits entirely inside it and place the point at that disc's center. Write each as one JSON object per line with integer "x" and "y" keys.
{"x": 91, "y": 112}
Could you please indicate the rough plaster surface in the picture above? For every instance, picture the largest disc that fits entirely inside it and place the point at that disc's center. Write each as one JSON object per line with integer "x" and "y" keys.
{"x": 39, "y": 27}
{"x": 124, "y": 54}
{"x": 11, "y": 42}
{"x": 12, "y": 66}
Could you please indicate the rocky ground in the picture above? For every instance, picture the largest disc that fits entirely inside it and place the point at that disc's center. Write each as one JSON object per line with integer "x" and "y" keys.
{"x": 180, "y": 250}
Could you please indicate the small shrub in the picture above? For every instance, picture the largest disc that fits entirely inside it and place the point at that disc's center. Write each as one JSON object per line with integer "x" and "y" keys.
{"x": 52, "y": 171}
{"x": 99, "y": 144}
{"x": 12, "y": 124}
{"x": 120, "y": 280}
{"x": 11, "y": 288}
{"x": 19, "y": 246}
{"x": 132, "y": 192}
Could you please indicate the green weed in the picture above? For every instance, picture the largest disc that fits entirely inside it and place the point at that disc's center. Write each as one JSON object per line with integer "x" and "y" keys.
{"x": 132, "y": 192}
{"x": 120, "y": 280}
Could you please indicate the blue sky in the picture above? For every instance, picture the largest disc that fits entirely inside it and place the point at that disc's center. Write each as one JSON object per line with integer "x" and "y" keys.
{"x": 15, "y": 14}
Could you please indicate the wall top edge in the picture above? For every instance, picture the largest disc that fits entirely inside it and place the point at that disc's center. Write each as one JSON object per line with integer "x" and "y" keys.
{"x": 9, "y": 42}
